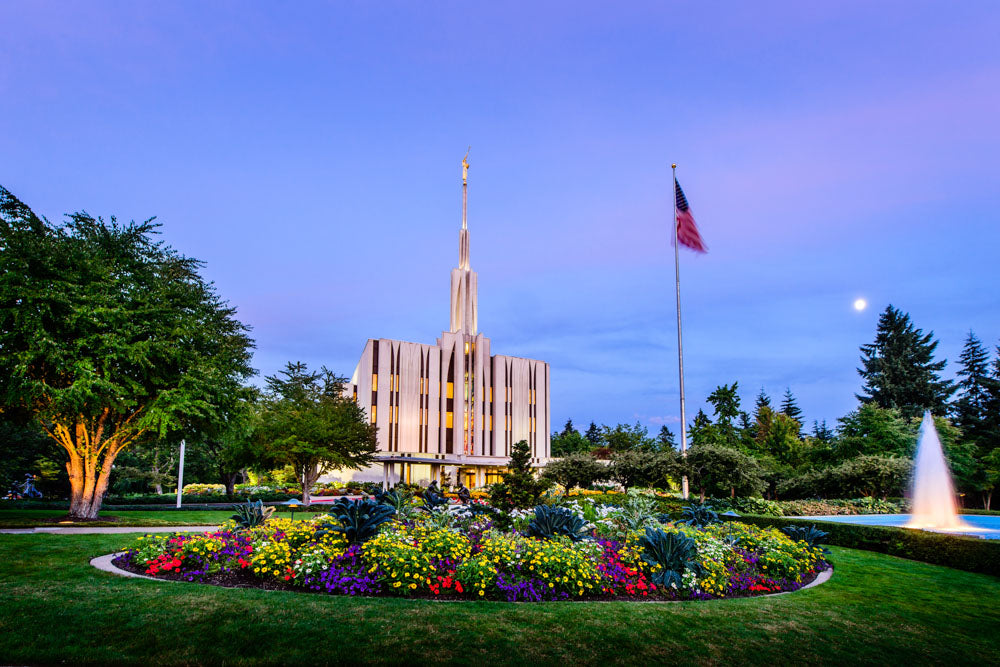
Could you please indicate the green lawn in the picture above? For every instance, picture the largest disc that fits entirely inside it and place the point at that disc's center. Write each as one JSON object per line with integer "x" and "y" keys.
{"x": 31, "y": 518}
{"x": 877, "y": 609}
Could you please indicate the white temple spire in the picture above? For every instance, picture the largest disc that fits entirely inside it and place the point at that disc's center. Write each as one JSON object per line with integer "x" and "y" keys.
{"x": 464, "y": 297}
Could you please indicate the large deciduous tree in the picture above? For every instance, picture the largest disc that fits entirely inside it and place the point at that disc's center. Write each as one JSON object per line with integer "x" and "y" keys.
{"x": 107, "y": 337}
{"x": 899, "y": 370}
{"x": 307, "y": 421}
{"x": 718, "y": 471}
{"x": 577, "y": 469}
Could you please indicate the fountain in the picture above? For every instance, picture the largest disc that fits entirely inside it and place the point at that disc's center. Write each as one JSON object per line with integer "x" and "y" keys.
{"x": 933, "y": 497}
{"x": 933, "y": 500}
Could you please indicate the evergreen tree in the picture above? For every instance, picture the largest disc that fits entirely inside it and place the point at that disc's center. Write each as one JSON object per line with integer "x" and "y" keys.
{"x": 750, "y": 423}
{"x": 899, "y": 370}
{"x": 976, "y": 387}
{"x": 519, "y": 488}
{"x": 569, "y": 428}
{"x": 822, "y": 432}
{"x": 594, "y": 435}
{"x": 665, "y": 439}
{"x": 726, "y": 402}
{"x": 763, "y": 401}
{"x": 701, "y": 430}
{"x": 790, "y": 408}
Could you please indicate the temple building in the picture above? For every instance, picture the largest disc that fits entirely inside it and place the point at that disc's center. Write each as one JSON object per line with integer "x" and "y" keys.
{"x": 452, "y": 408}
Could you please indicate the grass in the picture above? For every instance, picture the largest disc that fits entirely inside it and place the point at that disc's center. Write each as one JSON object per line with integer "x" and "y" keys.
{"x": 32, "y": 518}
{"x": 54, "y": 607}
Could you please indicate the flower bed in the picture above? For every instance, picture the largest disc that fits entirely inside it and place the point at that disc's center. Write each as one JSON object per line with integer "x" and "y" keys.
{"x": 450, "y": 551}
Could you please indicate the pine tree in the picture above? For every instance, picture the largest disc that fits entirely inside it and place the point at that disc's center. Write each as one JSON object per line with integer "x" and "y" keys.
{"x": 666, "y": 439}
{"x": 701, "y": 430}
{"x": 725, "y": 402}
{"x": 899, "y": 370}
{"x": 568, "y": 441}
{"x": 763, "y": 401}
{"x": 822, "y": 432}
{"x": 976, "y": 387}
{"x": 594, "y": 435}
{"x": 790, "y": 408}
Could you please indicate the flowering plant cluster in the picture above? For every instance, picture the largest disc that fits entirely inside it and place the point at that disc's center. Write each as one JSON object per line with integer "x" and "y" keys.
{"x": 450, "y": 552}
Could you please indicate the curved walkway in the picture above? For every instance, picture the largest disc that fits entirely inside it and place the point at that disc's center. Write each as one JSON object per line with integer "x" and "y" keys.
{"x": 100, "y": 530}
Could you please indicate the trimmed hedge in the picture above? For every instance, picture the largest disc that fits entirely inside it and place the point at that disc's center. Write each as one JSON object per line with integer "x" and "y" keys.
{"x": 163, "y": 507}
{"x": 972, "y": 554}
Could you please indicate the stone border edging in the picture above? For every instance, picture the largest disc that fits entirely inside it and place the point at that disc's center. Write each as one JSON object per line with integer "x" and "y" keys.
{"x": 104, "y": 564}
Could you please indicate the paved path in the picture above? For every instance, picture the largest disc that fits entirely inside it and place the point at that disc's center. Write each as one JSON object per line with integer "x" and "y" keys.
{"x": 102, "y": 530}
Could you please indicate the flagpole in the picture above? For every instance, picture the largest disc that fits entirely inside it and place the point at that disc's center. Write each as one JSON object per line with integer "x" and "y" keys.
{"x": 680, "y": 340}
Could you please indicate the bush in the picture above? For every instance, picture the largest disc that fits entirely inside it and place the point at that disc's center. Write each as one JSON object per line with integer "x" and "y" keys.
{"x": 750, "y": 505}
{"x": 877, "y": 476}
{"x": 520, "y": 489}
{"x": 963, "y": 553}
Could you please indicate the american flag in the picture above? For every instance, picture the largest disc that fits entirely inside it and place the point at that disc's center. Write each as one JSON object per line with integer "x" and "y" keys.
{"x": 687, "y": 231}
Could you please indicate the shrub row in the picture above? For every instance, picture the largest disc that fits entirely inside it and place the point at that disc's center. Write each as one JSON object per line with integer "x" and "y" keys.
{"x": 963, "y": 553}
{"x": 200, "y": 498}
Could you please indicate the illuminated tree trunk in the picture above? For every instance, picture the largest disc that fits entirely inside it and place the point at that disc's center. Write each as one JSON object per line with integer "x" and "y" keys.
{"x": 308, "y": 476}
{"x": 91, "y": 457}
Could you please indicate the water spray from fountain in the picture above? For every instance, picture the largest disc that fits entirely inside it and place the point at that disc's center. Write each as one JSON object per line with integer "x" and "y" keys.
{"x": 934, "y": 504}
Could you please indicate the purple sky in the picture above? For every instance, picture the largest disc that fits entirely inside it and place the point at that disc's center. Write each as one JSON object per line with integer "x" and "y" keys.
{"x": 310, "y": 154}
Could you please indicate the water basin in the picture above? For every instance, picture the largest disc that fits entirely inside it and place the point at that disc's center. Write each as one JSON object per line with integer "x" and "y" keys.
{"x": 985, "y": 526}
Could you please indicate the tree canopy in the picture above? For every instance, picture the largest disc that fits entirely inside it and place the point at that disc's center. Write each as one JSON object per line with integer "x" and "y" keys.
{"x": 899, "y": 370}
{"x": 308, "y": 423}
{"x": 107, "y": 336}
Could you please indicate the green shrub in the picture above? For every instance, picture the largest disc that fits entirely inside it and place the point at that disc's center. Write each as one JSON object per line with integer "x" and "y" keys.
{"x": 963, "y": 553}
{"x": 751, "y": 505}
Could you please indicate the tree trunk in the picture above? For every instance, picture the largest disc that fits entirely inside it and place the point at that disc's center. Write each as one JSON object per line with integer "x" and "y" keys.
{"x": 308, "y": 477}
{"x": 987, "y": 497}
{"x": 91, "y": 458}
{"x": 229, "y": 479}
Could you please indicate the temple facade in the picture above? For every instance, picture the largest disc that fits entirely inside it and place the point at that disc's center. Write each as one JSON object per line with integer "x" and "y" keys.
{"x": 452, "y": 408}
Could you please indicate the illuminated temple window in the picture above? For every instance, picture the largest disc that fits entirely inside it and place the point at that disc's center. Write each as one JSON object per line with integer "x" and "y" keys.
{"x": 449, "y": 419}
{"x": 374, "y": 408}
{"x": 451, "y": 390}
{"x": 374, "y": 382}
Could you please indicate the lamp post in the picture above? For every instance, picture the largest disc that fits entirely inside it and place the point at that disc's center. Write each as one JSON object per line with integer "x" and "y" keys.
{"x": 292, "y": 504}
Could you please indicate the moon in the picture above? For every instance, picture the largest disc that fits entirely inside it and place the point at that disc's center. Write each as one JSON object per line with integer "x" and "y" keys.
{"x": 860, "y": 304}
